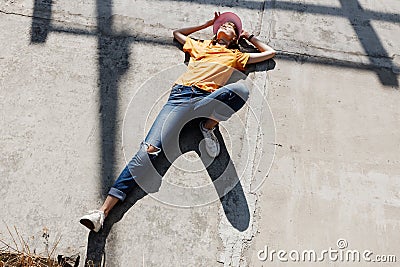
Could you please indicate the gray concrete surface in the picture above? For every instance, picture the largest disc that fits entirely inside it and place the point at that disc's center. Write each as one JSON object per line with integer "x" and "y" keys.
{"x": 71, "y": 69}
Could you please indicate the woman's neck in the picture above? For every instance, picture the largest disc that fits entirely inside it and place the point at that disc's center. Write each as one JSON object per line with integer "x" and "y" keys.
{"x": 223, "y": 42}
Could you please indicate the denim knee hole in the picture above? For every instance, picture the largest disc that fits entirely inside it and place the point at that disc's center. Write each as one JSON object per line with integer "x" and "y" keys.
{"x": 155, "y": 153}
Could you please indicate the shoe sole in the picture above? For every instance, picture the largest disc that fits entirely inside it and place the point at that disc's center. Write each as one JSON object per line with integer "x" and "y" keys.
{"x": 87, "y": 223}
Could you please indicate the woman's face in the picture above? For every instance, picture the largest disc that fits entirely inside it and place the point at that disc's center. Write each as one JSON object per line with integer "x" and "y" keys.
{"x": 227, "y": 31}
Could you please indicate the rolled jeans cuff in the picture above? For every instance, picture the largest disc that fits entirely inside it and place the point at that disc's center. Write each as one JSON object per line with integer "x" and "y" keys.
{"x": 117, "y": 193}
{"x": 221, "y": 117}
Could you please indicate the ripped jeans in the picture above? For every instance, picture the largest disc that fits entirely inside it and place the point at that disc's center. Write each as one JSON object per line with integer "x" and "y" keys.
{"x": 185, "y": 103}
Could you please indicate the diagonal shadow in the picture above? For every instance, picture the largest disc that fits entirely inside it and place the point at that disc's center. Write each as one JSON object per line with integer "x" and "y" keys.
{"x": 234, "y": 202}
{"x": 221, "y": 169}
{"x": 113, "y": 61}
{"x": 369, "y": 40}
{"x": 359, "y": 18}
{"x": 331, "y": 11}
{"x": 258, "y": 5}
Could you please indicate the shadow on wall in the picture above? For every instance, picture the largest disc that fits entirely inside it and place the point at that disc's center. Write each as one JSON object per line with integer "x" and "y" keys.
{"x": 113, "y": 62}
{"x": 41, "y": 19}
{"x": 234, "y": 202}
{"x": 359, "y": 18}
{"x": 222, "y": 168}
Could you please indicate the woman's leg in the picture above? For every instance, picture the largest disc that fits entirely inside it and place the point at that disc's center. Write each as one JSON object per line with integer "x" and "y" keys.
{"x": 108, "y": 204}
{"x": 224, "y": 102}
{"x": 165, "y": 127}
{"x": 163, "y": 135}
{"x": 210, "y": 123}
{"x": 219, "y": 106}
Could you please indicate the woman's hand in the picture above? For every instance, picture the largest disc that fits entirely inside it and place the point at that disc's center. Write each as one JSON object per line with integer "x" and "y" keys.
{"x": 211, "y": 21}
{"x": 181, "y": 34}
{"x": 266, "y": 52}
{"x": 245, "y": 34}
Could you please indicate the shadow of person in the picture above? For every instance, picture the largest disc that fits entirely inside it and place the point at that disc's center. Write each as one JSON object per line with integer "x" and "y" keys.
{"x": 223, "y": 174}
{"x": 221, "y": 171}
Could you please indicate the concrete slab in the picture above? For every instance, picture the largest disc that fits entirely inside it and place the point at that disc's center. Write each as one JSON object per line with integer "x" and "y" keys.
{"x": 70, "y": 71}
{"x": 336, "y": 174}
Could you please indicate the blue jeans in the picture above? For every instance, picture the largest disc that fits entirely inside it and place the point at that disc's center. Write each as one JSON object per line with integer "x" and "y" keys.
{"x": 184, "y": 104}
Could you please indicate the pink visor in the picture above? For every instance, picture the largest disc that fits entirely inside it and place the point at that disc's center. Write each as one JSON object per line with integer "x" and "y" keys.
{"x": 225, "y": 17}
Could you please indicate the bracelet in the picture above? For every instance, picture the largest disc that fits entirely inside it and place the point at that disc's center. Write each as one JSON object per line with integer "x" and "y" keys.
{"x": 251, "y": 36}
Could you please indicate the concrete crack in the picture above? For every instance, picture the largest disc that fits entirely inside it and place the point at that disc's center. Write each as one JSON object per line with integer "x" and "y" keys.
{"x": 16, "y": 14}
{"x": 331, "y": 60}
{"x": 31, "y": 16}
{"x": 258, "y": 31}
{"x": 235, "y": 243}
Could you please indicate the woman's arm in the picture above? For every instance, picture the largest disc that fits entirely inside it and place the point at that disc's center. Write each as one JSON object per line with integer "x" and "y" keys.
{"x": 266, "y": 52}
{"x": 181, "y": 34}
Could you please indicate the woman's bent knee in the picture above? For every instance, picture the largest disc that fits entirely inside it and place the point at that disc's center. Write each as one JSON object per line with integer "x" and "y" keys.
{"x": 242, "y": 91}
{"x": 239, "y": 89}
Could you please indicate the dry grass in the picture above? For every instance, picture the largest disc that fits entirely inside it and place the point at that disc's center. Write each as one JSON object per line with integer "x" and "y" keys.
{"x": 18, "y": 254}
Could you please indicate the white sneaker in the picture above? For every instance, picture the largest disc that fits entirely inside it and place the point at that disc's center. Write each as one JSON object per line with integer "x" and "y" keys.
{"x": 94, "y": 220}
{"x": 212, "y": 144}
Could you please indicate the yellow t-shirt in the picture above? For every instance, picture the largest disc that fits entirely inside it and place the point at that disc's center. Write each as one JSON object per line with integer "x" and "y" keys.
{"x": 210, "y": 66}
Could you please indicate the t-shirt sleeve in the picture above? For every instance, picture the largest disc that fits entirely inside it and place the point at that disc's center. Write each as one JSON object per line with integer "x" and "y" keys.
{"x": 241, "y": 60}
{"x": 191, "y": 46}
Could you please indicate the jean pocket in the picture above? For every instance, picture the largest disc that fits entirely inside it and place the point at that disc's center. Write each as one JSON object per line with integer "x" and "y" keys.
{"x": 176, "y": 89}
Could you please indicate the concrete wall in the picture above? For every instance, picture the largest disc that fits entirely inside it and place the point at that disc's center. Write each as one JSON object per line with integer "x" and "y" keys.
{"x": 70, "y": 71}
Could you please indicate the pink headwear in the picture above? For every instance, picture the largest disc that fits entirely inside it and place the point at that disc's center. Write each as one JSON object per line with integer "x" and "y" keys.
{"x": 225, "y": 17}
